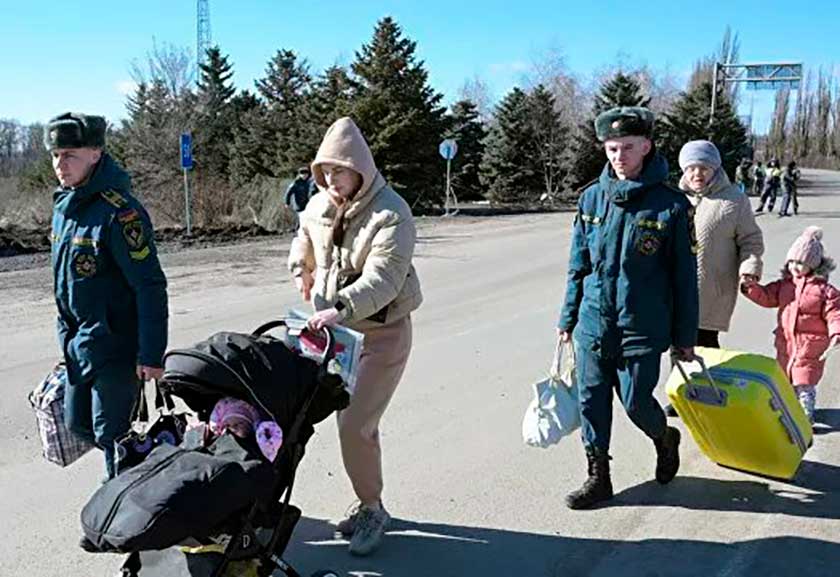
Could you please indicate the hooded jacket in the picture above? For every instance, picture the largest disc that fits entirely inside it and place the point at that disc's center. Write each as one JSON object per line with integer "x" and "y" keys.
{"x": 371, "y": 273}
{"x": 632, "y": 279}
{"x": 729, "y": 244}
{"x": 109, "y": 288}
{"x": 808, "y": 318}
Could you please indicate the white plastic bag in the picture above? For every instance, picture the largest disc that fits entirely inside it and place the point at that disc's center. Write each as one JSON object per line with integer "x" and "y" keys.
{"x": 555, "y": 411}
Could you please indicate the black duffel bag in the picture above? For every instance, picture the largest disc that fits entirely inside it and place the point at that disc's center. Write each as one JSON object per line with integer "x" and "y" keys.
{"x": 177, "y": 493}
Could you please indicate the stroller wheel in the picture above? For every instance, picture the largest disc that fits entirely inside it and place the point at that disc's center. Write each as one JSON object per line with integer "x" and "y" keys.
{"x": 325, "y": 573}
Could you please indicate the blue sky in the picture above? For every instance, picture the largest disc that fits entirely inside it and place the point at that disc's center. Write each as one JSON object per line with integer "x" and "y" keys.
{"x": 77, "y": 55}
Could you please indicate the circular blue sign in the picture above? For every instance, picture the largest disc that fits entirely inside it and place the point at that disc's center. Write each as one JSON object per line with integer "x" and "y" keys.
{"x": 448, "y": 149}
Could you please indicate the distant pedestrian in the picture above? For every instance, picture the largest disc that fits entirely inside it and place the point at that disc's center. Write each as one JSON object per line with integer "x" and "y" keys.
{"x": 758, "y": 179}
{"x": 808, "y": 314}
{"x": 299, "y": 192}
{"x": 790, "y": 178}
{"x": 743, "y": 176}
{"x": 772, "y": 182}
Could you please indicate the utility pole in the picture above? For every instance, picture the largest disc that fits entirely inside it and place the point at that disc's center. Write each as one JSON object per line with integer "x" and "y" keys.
{"x": 203, "y": 39}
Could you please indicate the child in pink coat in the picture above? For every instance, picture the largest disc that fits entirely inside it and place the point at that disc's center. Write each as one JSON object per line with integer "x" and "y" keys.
{"x": 809, "y": 314}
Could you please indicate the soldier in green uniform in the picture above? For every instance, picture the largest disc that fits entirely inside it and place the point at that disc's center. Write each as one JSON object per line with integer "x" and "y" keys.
{"x": 631, "y": 295}
{"x": 109, "y": 287}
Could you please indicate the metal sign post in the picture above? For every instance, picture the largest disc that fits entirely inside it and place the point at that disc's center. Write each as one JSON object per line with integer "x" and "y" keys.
{"x": 761, "y": 76}
{"x": 448, "y": 149}
{"x": 187, "y": 164}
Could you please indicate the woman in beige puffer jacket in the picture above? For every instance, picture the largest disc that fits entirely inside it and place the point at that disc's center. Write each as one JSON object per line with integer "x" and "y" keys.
{"x": 729, "y": 242}
{"x": 352, "y": 259}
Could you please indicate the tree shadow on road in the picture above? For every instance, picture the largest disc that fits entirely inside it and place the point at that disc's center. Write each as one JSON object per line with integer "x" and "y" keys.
{"x": 414, "y": 549}
{"x": 814, "y": 492}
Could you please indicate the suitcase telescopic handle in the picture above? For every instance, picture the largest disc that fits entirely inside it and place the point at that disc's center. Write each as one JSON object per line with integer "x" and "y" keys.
{"x": 720, "y": 394}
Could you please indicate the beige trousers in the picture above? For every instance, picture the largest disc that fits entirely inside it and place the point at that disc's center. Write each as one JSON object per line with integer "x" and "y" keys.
{"x": 383, "y": 360}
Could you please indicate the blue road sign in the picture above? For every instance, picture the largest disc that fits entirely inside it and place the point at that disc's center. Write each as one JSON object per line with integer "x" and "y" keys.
{"x": 448, "y": 149}
{"x": 186, "y": 150}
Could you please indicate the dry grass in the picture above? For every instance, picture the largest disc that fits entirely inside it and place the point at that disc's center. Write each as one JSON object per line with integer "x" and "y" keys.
{"x": 260, "y": 202}
{"x": 22, "y": 208}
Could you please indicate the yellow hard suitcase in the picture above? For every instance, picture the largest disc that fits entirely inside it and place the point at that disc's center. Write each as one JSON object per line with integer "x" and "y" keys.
{"x": 742, "y": 411}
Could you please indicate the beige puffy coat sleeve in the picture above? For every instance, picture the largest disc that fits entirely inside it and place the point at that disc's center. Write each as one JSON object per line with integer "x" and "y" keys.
{"x": 749, "y": 240}
{"x": 385, "y": 268}
{"x": 301, "y": 253}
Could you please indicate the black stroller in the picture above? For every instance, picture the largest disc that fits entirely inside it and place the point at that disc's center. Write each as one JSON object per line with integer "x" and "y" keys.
{"x": 295, "y": 391}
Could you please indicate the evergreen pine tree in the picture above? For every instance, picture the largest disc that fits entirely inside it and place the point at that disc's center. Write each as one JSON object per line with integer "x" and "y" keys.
{"x": 399, "y": 113}
{"x": 251, "y": 146}
{"x": 550, "y": 140}
{"x": 468, "y": 131}
{"x": 525, "y": 149}
{"x": 508, "y": 170}
{"x": 588, "y": 152}
{"x": 329, "y": 100}
{"x": 278, "y": 133}
{"x": 215, "y": 118}
{"x": 689, "y": 120}
{"x": 149, "y": 141}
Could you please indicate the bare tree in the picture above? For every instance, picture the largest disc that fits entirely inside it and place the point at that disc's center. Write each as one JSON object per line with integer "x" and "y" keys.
{"x": 803, "y": 117}
{"x": 663, "y": 87}
{"x": 170, "y": 64}
{"x": 835, "y": 131}
{"x": 549, "y": 69}
{"x": 822, "y": 128}
{"x": 728, "y": 52}
{"x": 475, "y": 90}
{"x": 9, "y": 145}
{"x": 778, "y": 126}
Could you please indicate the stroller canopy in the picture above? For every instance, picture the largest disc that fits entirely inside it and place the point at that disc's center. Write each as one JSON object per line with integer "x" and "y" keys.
{"x": 257, "y": 368}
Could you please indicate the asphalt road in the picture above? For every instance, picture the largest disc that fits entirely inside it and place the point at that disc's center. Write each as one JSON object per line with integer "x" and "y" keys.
{"x": 468, "y": 497}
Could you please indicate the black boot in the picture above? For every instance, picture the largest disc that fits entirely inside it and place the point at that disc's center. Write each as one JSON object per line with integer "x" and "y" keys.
{"x": 667, "y": 455}
{"x": 597, "y": 486}
{"x": 88, "y": 545}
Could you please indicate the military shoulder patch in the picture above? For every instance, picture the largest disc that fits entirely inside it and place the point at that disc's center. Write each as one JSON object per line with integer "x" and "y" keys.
{"x": 133, "y": 233}
{"x": 114, "y": 198}
{"x": 140, "y": 254}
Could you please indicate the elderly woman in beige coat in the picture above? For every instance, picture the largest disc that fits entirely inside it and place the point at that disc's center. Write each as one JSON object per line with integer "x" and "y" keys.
{"x": 352, "y": 259}
{"x": 729, "y": 242}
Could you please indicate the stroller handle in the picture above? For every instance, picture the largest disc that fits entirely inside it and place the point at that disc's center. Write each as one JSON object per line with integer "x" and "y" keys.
{"x": 329, "y": 351}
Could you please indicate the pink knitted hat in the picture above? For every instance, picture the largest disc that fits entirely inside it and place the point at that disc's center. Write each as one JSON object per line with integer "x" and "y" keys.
{"x": 229, "y": 412}
{"x": 807, "y": 248}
